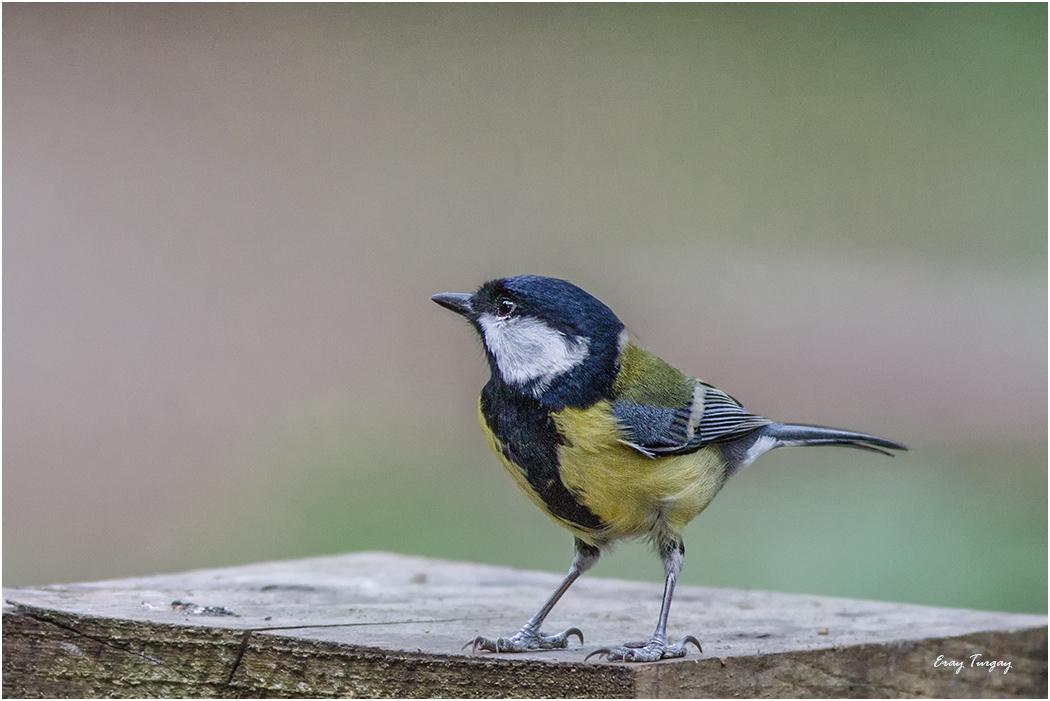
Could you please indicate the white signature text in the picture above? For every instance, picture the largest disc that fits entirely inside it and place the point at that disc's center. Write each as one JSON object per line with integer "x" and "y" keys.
{"x": 975, "y": 661}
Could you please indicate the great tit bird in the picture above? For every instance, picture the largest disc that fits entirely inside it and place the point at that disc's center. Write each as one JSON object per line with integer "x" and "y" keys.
{"x": 607, "y": 439}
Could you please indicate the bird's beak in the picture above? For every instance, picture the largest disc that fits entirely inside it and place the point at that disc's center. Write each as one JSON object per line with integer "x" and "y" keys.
{"x": 456, "y": 301}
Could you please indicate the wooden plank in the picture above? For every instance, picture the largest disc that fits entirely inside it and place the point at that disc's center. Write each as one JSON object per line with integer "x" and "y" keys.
{"x": 383, "y": 625}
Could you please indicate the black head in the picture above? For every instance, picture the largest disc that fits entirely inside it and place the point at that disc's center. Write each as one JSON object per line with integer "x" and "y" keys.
{"x": 545, "y": 337}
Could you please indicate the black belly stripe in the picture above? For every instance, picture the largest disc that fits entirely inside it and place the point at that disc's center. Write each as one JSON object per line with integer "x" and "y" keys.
{"x": 530, "y": 440}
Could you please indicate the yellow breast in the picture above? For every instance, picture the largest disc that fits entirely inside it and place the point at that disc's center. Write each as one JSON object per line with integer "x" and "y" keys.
{"x": 634, "y": 495}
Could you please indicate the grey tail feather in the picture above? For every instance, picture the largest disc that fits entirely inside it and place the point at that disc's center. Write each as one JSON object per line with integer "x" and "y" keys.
{"x": 801, "y": 434}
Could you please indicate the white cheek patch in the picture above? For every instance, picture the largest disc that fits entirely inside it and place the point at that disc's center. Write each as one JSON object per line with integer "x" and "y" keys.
{"x": 528, "y": 350}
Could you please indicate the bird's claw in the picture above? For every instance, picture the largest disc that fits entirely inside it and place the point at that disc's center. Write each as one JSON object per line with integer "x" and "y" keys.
{"x": 645, "y": 652}
{"x": 525, "y": 640}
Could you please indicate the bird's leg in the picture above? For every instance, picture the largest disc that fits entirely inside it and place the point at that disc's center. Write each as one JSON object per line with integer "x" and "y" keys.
{"x": 672, "y": 553}
{"x": 530, "y": 637}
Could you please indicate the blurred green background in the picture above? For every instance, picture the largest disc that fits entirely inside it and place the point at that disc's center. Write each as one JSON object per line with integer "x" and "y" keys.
{"x": 222, "y": 225}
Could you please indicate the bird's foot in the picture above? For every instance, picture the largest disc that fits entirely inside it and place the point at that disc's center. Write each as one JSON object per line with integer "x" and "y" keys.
{"x": 524, "y": 640}
{"x": 646, "y": 652}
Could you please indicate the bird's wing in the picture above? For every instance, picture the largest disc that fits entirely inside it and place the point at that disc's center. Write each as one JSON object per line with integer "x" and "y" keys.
{"x": 662, "y": 411}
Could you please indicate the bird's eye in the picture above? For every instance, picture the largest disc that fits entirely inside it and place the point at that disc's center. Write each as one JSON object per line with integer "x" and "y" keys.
{"x": 505, "y": 307}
